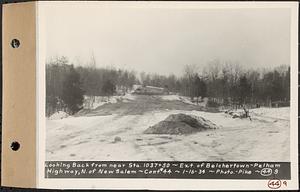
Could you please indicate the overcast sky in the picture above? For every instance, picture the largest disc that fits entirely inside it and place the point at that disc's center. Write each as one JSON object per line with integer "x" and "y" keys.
{"x": 163, "y": 40}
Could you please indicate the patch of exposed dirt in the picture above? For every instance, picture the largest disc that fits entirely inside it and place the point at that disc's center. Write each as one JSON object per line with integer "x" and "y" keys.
{"x": 139, "y": 106}
{"x": 181, "y": 124}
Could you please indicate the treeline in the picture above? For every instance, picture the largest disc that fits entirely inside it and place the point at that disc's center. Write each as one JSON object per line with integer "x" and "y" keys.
{"x": 106, "y": 81}
{"x": 189, "y": 85}
{"x": 66, "y": 85}
{"x": 222, "y": 83}
{"x": 229, "y": 83}
{"x": 64, "y": 91}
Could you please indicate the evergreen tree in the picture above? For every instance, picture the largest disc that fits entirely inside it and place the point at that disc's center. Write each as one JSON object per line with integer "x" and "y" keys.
{"x": 277, "y": 87}
{"x": 244, "y": 90}
{"x": 72, "y": 92}
{"x": 196, "y": 87}
{"x": 203, "y": 88}
{"x": 108, "y": 88}
{"x": 287, "y": 84}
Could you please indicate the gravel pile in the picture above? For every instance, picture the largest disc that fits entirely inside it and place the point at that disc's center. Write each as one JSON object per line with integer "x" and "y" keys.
{"x": 181, "y": 124}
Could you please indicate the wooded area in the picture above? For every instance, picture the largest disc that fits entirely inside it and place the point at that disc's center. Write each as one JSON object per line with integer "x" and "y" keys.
{"x": 224, "y": 83}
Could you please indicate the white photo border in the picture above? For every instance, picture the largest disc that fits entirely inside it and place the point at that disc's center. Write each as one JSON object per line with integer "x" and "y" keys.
{"x": 165, "y": 184}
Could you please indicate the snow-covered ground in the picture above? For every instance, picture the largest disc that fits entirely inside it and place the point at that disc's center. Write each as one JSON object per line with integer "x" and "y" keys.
{"x": 265, "y": 138}
{"x": 276, "y": 113}
{"x": 90, "y": 102}
{"x": 58, "y": 115}
{"x": 183, "y": 99}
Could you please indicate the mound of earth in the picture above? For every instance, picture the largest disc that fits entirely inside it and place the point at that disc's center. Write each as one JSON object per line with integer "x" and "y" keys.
{"x": 181, "y": 124}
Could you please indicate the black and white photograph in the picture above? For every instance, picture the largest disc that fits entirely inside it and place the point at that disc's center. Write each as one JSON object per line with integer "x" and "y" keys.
{"x": 167, "y": 83}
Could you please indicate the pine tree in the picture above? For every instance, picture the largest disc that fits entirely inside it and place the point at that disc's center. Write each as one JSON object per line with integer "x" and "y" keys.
{"x": 108, "y": 88}
{"x": 72, "y": 92}
{"x": 203, "y": 88}
{"x": 244, "y": 90}
{"x": 287, "y": 84}
{"x": 196, "y": 88}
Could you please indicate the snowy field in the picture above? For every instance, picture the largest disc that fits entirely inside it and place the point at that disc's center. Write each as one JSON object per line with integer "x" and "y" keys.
{"x": 92, "y": 135}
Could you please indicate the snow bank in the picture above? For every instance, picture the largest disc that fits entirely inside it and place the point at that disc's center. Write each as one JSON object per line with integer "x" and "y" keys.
{"x": 128, "y": 97}
{"x": 97, "y": 101}
{"x": 58, "y": 115}
{"x": 170, "y": 97}
{"x": 265, "y": 112}
{"x": 187, "y": 100}
{"x": 280, "y": 113}
{"x": 183, "y": 99}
